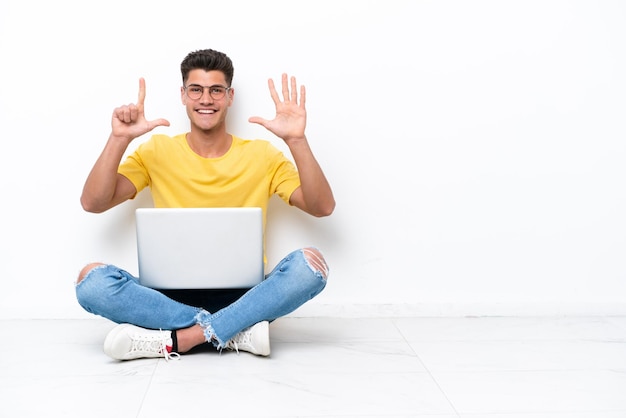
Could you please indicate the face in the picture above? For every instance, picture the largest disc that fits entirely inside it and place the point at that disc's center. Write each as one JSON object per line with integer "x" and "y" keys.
{"x": 205, "y": 112}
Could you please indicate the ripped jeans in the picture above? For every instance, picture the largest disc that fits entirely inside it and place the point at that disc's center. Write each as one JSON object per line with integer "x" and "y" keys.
{"x": 115, "y": 294}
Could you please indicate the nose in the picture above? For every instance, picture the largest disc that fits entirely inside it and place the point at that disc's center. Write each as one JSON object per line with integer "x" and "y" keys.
{"x": 206, "y": 95}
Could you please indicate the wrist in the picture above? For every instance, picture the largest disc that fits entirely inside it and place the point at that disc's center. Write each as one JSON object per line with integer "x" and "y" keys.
{"x": 295, "y": 139}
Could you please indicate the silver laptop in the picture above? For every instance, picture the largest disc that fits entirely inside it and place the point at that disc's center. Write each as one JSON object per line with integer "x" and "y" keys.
{"x": 200, "y": 248}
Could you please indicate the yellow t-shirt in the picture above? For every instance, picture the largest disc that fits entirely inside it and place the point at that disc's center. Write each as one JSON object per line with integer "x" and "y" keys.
{"x": 246, "y": 176}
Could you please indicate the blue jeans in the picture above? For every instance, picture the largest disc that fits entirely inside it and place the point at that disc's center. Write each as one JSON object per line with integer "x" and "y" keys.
{"x": 113, "y": 293}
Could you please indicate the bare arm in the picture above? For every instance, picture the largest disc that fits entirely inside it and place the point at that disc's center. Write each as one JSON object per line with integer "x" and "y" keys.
{"x": 314, "y": 196}
{"x": 104, "y": 187}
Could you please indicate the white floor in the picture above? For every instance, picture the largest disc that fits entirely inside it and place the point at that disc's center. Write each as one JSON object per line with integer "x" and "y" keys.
{"x": 329, "y": 367}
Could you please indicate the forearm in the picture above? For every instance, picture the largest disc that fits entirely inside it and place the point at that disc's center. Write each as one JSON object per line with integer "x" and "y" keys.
{"x": 316, "y": 191}
{"x": 99, "y": 191}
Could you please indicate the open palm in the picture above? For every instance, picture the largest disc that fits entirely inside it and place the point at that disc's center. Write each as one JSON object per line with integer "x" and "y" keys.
{"x": 290, "y": 120}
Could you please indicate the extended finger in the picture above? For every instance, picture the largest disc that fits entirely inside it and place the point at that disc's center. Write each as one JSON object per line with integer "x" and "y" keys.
{"x": 158, "y": 122}
{"x": 273, "y": 92}
{"x": 285, "y": 88}
{"x": 142, "y": 92}
{"x": 294, "y": 90}
{"x": 258, "y": 120}
{"x": 302, "y": 96}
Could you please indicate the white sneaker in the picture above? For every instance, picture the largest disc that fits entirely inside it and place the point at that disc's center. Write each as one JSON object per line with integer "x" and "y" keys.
{"x": 255, "y": 340}
{"x": 129, "y": 342}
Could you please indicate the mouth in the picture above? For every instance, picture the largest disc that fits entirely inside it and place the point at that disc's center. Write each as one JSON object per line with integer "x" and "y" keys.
{"x": 206, "y": 111}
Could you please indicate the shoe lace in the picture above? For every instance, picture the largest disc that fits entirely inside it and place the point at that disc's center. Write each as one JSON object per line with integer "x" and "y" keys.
{"x": 244, "y": 338}
{"x": 153, "y": 344}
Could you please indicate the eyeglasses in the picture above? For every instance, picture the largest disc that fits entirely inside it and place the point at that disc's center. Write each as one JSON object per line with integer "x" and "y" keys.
{"x": 195, "y": 91}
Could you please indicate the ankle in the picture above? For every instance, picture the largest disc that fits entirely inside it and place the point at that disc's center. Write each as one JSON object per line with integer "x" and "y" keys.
{"x": 188, "y": 338}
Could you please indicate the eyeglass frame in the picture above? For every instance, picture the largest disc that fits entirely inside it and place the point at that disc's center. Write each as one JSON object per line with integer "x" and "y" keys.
{"x": 226, "y": 90}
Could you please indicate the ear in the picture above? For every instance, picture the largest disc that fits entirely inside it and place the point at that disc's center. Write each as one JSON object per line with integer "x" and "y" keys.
{"x": 231, "y": 96}
{"x": 183, "y": 96}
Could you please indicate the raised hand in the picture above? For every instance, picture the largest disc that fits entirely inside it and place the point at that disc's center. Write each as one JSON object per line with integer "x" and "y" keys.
{"x": 290, "y": 120}
{"x": 129, "y": 121}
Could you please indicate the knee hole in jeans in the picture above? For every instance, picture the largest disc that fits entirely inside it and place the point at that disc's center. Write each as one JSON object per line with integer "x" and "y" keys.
{"x": 86, "y": 270}
{"x": 316, "y": 260}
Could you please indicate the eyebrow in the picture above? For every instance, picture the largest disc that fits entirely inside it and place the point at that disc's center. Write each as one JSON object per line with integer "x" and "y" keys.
{"x": 212, "y": 85}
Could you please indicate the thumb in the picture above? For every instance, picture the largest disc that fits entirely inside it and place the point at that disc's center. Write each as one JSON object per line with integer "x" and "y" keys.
{"x": 258, "y": 120}
{"x": 158, "y": 122}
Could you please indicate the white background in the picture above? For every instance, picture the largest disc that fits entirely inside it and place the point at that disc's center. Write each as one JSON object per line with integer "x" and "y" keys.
{"x": 476, "y": 148}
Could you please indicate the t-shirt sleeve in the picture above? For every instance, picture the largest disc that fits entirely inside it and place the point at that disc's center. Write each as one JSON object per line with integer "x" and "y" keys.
{"x": 285, "y": 178}
{"x": 134, "y": 170}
